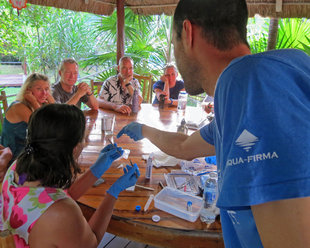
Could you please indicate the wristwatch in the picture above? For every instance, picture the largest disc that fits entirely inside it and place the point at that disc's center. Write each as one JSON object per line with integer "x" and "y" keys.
{"x": 127, "y": 84}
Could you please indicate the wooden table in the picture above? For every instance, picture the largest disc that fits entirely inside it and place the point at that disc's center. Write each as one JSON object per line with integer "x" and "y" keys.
{"x": 170, "y": 231}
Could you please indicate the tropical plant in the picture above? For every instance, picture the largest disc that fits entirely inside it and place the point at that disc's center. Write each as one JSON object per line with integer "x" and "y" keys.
{"x": 306, "y": 46}
{"x": 257, "y": 35}
{"x": 44, "y": 42}
{"x": 147, "y": 41}
{"x": 293, "y": 33}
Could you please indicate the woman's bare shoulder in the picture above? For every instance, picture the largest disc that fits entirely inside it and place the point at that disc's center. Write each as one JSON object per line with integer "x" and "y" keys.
{"x": 62, "y": 225}
{"x": 18, "y": 112}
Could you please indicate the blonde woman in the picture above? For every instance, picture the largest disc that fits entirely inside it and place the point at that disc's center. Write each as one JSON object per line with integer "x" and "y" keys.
{"x": 34, "y": 93}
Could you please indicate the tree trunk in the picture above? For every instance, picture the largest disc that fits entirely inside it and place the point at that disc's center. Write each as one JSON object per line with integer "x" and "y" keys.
{"x": 273, "y": 33}
{"x": 120, "y": 29}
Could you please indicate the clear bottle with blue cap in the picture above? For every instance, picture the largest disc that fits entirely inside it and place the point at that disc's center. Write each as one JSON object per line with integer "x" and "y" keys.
{"x": 208, "y": 212}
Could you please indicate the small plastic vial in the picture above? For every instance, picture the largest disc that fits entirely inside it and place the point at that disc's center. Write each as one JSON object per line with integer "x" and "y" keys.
{"x": 135, "y": 101}
{"x": 183, "y": 128}
{"x": 149, "y": 165}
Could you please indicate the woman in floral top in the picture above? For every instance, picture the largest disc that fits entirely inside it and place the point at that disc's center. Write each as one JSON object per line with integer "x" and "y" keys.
{"x": 38, "y": 196}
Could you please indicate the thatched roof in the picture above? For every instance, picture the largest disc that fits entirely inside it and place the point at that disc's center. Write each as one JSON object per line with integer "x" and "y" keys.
{"x": 270, "y": 8}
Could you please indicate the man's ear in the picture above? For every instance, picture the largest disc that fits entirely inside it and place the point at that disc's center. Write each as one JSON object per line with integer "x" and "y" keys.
{"x": 187, "y": 32}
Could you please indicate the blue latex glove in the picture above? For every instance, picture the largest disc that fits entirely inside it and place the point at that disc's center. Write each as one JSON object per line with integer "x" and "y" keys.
{"x": 129, "y": 179}
{"x": 133, "y": 130}
{"x": 105, "y": 159}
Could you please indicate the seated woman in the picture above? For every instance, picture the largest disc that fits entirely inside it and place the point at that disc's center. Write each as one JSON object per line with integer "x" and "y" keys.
{"x": 36, "y": 208}
{"x": 34, "y": 93}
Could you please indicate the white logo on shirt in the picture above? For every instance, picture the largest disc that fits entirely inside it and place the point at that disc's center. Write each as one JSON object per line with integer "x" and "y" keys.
{"x": 246, "y": 140}
{"x": 233, "y": 217}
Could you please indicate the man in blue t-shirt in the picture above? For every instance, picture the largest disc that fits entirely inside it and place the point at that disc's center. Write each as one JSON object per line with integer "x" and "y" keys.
{"x": 260, "y": 132}
{"x": 169, "y": 86}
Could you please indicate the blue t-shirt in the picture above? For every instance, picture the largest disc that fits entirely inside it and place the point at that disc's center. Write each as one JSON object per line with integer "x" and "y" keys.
{"x": 261, "y": 136}
{"x": 174, "y": 91}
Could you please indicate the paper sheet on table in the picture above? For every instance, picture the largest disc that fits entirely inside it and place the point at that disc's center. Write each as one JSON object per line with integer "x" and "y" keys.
{"x": 161, "y": 159}
{"x": 196, "y": 124}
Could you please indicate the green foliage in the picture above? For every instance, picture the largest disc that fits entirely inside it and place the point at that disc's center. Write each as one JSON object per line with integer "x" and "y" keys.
{"x": 293, "y": 32}
{"x": 306, "y": 46}
{"x": 257, "y": 35}
{"x": 44, "y": 42}
{"x": 146, "y": 41}
{"x": 43, "y": 36}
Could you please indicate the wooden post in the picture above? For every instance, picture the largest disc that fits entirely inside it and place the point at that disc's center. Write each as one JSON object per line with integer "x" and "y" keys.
{"x": 273, "y": 33}
{"x": 120, "y": 29}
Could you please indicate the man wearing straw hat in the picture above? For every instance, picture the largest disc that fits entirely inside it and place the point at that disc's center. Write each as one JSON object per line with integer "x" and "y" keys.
{"x": 260, "y": 132}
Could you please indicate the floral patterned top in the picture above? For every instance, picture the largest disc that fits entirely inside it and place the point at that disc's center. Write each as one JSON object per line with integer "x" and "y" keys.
{"x": 22, "y": 206}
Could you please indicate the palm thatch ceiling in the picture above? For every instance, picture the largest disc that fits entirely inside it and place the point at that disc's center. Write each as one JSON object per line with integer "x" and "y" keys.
{"x": 265, "y": 8}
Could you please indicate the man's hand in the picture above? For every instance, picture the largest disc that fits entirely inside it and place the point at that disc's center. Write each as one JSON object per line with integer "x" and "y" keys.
{"x": 164, "y": 79}
{"x": 124, "y": 109}
{"x": 127, "y": 80}
{"x": 83, "y": 89}
{"x": 133, "y": 130}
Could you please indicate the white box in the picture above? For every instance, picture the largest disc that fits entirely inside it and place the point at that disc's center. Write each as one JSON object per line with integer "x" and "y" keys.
{"x": 174, "y": 202}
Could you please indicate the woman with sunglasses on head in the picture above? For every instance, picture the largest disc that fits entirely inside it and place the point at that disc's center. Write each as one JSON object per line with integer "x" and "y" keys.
{"x": 34, "y": 93}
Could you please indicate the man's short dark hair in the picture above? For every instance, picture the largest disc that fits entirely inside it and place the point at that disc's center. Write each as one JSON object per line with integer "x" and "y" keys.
{"x": 223, "y": 22}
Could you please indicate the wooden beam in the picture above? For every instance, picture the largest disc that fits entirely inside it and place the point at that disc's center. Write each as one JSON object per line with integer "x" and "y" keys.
{"x": 273, "y": 33}
{"x": 120, "y": 29}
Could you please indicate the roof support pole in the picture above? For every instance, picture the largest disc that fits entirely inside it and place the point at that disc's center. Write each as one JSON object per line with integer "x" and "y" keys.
{"x": 120, "y": 28}
{"x": 273, "y": 33}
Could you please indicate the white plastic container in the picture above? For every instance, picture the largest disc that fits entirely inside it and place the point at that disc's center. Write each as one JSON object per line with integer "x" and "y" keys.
{"x": 175, "y": 202}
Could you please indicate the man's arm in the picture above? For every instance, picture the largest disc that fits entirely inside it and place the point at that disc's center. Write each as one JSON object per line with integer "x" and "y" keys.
{"x": 179, "y": 145}
{"x": 283, "y": 223}
{"x": 92, "y": 102}
{"x": 82, "y": 90}
{"x": 124, "y": 109}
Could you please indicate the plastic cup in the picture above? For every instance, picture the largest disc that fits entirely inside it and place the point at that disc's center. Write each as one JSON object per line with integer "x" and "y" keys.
{"x": 107, "y": 124}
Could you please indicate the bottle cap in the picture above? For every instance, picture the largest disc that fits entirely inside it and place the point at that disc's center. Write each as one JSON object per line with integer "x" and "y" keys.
{"x": 138, "y": 208}
{"x": 189, "y": 206}
{"x": 155, "y": 218}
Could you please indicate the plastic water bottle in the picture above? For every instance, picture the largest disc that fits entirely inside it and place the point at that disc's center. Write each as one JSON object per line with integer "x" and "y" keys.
{"x": 135, "y": 101}
{"x": 182, "y": 101}
{"x": 208, "y": 212}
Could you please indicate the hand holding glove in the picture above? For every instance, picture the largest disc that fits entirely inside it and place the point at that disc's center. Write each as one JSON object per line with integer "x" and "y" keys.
{"x": 105, "y": 159}
{"x": 133, "y": 130}
{"x": 129, "y": 179}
